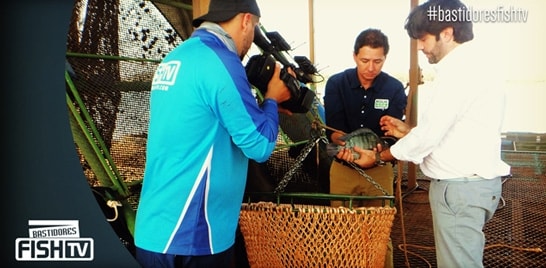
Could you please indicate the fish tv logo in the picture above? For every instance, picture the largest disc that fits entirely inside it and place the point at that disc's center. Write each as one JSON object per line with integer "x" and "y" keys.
{"x": 54, "y": 240}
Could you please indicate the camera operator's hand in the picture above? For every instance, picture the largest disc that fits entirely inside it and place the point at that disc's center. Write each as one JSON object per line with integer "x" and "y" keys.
{"x": 276, "y": 89}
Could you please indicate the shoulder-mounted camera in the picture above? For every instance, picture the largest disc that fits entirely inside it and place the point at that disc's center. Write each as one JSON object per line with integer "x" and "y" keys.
{"x": 260, "y": 69}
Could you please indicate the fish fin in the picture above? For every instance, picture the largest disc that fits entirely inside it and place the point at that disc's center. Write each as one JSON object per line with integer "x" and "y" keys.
{"x": 358, "y": 132}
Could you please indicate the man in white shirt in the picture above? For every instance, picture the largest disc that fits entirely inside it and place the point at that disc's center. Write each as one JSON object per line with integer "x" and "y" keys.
{"x": 457, "y": 140}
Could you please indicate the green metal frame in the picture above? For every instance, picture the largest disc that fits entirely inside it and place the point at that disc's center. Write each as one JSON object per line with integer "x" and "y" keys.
{"x": 92, "y": 146}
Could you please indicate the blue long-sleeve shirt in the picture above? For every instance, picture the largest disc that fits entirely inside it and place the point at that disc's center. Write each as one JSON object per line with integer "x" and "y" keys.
{"x": 205, "y": 124}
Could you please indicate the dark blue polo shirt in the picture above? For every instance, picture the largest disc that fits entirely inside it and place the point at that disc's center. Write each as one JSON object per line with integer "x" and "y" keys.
{"x": 349, "y": 107}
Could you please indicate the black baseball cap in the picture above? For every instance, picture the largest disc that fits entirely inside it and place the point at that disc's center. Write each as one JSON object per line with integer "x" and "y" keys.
{"x": 223, "y": 10}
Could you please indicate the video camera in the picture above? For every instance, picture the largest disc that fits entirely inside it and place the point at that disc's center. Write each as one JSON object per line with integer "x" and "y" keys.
{"x": 260, "y": 68}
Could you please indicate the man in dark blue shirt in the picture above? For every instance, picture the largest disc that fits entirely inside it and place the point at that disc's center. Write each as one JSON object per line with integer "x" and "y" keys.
{"x": 357, "y": 98}
{"x": 351, "y": 106}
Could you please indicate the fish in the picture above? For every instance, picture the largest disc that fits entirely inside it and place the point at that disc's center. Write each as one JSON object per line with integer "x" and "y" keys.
{"x": 364, "y": 138}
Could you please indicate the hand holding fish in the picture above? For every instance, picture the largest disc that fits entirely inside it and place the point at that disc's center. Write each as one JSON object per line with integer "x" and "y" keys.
{"x": 366, "y": 158}
{"x": 359, "y": 147}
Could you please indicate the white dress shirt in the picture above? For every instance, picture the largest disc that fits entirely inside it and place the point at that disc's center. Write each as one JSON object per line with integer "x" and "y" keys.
{"x": 458, "y": 133}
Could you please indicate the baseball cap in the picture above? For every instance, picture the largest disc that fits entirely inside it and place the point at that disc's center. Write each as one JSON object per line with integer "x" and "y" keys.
{"x": 223, "y": 10}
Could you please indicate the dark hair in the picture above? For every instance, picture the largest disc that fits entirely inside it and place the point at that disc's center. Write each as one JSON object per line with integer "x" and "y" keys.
{"x": 373, "y": 38}
{"x": 425, "y": 19}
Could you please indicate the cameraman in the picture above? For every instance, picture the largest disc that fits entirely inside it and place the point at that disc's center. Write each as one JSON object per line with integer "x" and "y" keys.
{"x": 205, "y": 124}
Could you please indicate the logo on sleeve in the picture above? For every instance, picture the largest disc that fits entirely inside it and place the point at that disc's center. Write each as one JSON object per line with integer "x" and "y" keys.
{"x": 165, "y": 75}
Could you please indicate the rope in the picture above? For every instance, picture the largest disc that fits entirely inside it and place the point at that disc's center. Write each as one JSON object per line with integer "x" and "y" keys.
{"x": 113, "y": 204}
{"x": 320, "y": 124}
{"x": 513, "y": 247}
{"x": 399, "y": 197}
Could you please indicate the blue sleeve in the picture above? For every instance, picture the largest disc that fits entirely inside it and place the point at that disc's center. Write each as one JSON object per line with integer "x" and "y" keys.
{"x": 253, "y": 129}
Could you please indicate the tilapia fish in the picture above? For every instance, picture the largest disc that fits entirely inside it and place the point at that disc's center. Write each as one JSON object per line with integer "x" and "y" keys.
{"x": 364, "y": 138}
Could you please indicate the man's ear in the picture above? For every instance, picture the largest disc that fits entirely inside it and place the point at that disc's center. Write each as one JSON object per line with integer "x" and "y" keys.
{"x": 248, "y": 21}
{"x": 447, "y": 34}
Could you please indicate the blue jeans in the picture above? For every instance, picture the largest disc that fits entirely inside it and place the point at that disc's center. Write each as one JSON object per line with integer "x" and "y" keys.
{"x": 460, "y": 209}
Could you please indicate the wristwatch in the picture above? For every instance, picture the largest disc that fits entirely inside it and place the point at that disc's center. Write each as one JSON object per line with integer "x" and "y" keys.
{"x": 378, "y": 161}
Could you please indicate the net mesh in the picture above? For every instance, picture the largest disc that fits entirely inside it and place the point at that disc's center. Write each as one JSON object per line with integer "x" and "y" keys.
{"x": 315, "y": 236}
{"x": 515, "y": 236}
{"x": 113, "y": 48}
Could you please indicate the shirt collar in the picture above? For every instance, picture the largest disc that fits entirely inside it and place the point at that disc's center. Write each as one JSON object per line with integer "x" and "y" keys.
{"x": 218, "y": 31}
{"x": 355, "y": 83}
{"x": 453, "y": 58}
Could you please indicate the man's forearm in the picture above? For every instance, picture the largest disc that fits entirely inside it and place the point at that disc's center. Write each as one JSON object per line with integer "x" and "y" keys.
{"x": 386, "y": 156}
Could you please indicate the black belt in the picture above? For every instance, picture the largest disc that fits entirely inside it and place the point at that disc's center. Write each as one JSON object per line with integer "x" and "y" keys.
{"x": 463, "y": 179}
